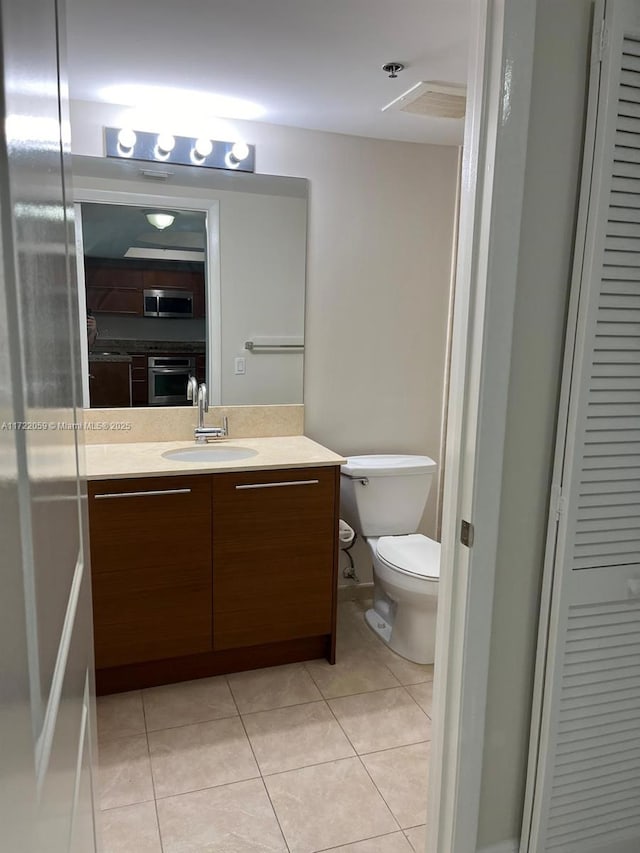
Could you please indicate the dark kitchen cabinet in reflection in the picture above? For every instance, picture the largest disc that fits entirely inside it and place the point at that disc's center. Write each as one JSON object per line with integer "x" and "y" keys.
{"x": 110, "y": 383}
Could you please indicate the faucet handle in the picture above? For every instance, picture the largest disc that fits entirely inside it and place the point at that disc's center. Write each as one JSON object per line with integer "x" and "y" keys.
{"x": 225, "y": 425}
{"x": 192, "y": 390}
{"x": 202, "y": 397}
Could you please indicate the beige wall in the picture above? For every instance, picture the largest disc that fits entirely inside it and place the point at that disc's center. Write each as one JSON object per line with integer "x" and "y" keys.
{"x": 554, "y": 156}
{"x": 378, "y": 268}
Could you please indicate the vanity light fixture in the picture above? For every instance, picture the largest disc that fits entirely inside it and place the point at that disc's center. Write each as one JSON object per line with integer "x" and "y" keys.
{"x": 160, "y": 219}
{"x": 189, "y": 151}
{"x": 164, "y": 146}
{"x": 239, "y": 152}
{"x": 126, "y": 141}
{"x": 202, "y": 148}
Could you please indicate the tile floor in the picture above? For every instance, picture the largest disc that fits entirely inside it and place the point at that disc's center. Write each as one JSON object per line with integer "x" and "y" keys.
{"x": 301, "y": 758}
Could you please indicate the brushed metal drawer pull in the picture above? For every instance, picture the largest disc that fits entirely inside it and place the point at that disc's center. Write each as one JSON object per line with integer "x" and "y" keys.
{"x": 276, "y": 485}
{"x": 143, "y": 494}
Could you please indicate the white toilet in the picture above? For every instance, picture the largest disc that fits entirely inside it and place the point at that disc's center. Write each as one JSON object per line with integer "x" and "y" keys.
{"x": 383, "y": 498}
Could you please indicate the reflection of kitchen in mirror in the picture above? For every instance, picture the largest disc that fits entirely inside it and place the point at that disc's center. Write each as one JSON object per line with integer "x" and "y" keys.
{"x": 195, "y": 272}
{"x": 144, "y": 271}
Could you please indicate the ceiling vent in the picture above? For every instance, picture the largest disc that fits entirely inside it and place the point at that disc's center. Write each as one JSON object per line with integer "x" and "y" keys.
{"x": 438, "y": 100}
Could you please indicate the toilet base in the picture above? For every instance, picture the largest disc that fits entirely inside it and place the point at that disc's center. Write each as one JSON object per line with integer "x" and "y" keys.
{"x": 378, "y": 625}
{"x": 404, "y": 647}
{"x": 406, "y": 623}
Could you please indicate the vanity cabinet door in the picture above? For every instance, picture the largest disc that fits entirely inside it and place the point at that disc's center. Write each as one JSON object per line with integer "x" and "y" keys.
{"x": 274, "y": 555}
{"x": 151, "y": 568}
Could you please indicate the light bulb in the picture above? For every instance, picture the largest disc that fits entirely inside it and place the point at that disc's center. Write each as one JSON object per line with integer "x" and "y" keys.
{"x": 160, "y": 220}
{"x": 126, "y": 138}
{"x": 240, "y": 151}
{"x": 203, "y": 148}
{"x": 166, "y": 143}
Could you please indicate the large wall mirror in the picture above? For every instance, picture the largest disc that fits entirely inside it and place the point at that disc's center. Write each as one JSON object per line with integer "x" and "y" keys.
{"x": 186, "y": 271}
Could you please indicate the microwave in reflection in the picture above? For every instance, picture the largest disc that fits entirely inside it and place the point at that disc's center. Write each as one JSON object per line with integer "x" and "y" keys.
{"x": 168, "y": 303}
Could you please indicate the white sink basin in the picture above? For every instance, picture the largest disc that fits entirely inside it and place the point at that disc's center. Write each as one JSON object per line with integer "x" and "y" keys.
{"x": 209, "y": 453}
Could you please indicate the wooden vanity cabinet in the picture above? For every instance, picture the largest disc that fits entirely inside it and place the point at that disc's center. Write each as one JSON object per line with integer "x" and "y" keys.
{"x": 150, "y": 567}
{"x": 211, "y": 573}
{"x": 273, "y": 555}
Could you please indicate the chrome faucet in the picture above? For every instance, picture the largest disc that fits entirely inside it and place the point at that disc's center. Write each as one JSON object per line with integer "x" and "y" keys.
{"x": 202, "y": 432}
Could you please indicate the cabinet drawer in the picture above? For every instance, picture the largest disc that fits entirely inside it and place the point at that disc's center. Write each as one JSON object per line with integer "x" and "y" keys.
{"x": 151, "y": 568}
{"x": 138, "y": 362}
{"x": 274, "y": 555}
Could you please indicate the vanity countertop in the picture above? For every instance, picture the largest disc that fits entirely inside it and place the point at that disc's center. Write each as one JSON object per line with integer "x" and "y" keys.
{"x": 145, "y": 459}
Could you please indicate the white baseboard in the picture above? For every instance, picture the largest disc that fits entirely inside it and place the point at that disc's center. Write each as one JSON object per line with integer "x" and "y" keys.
{"x": 355, "y": 592}
{"x": 510, "y": 846}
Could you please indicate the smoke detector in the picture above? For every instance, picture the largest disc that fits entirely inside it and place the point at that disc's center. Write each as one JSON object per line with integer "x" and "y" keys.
{"x": 440, "y": 100}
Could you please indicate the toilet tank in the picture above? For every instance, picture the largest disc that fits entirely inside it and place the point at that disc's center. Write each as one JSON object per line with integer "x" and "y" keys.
{"x": 385, "y": 494}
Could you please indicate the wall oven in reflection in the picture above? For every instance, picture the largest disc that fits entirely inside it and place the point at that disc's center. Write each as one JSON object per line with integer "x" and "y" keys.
{"x": 168, "y": 303}
{"x": 168, "y": 377}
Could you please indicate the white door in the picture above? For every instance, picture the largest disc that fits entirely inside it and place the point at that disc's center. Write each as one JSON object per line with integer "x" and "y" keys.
{"x": 585, "y": 787}
{"x": 45, "y": 608}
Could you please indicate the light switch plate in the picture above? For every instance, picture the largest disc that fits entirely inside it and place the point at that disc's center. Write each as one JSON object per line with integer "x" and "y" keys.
{"x": 240, "y": 366}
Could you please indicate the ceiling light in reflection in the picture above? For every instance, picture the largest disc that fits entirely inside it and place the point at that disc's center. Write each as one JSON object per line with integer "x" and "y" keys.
{"x": 159, "y": 219}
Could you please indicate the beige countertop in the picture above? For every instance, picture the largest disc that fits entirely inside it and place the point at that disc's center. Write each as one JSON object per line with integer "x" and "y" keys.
{"x": 145, "y": 459}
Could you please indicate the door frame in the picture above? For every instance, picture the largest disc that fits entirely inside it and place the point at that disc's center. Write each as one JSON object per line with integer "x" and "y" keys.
{"x": 493, "y": 171}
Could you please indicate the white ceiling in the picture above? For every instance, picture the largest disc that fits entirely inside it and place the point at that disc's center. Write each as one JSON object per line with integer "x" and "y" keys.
{"x": 309, "y": 63}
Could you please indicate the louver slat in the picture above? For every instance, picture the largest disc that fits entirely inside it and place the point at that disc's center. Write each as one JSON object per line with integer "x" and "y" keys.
{"x": 595, "y": 785}
{"x": 610, "y": 457}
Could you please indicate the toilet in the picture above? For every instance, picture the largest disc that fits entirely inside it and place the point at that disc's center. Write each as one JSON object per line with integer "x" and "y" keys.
{"x": 383, "y": 497}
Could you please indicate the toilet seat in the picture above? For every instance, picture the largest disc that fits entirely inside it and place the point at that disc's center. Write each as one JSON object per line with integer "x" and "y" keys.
{"x": 414, "y": 555}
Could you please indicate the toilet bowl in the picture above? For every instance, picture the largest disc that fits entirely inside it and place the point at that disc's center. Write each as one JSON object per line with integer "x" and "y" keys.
{"x": 406, "y": 570}
{"x": 383, "y": 498}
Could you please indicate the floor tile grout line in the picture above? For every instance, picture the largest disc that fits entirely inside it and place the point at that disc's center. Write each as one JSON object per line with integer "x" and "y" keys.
{"x": 408, "y": 828}
{"x": 366, "y": 771}
{"x": 314, "y": 764}
{"x": 239, "y": 713}
{"x": 373, "y": 782}
{"x": 193, "y": 723}
{"x": 126, "y": 805}
{"x": 153, "y": 781}
{"x": 392, "y": 748}
{"x": 365, "y": 767}
{"x": 275, "y": 814}
{"x": 208, "y": 788}
{"x": 400, "y": 687}
{"x": 369, "y": 838}
{"x": 282, "y": 707}
{"x": 255, "y": 758}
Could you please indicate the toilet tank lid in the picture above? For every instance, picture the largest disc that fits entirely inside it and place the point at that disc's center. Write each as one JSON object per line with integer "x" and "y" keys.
{"x": 414, "y": 554}
{"x": 386, "y": 465}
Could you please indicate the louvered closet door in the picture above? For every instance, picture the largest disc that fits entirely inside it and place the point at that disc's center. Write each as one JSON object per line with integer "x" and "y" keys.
{"x": 587, "y": 792}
